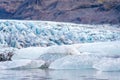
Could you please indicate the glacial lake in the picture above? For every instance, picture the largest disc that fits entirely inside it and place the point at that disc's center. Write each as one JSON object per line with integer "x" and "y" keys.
{"x": 47, "y": 74}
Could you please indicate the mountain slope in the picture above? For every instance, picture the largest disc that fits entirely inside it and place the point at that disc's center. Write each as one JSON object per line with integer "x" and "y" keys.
{"x": 77, "y": 11}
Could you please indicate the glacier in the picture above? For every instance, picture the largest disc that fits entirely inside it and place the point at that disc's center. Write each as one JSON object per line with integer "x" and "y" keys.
{"x": 19, "y": 34}
{"x": 56, "y": 45}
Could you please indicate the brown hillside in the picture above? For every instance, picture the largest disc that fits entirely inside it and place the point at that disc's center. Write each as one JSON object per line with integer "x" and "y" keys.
{"x": 78, "y": 11}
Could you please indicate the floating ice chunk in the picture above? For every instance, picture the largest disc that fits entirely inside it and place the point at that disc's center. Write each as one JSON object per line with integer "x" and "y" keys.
{"x": 29, "y": 53}
{"x": 74, "y": 62}
{"x": 100, "y": 48}
{"x": 108, "y": 64}
{"x": 47, "y": 54}
{"x": 21, "y": 64}
{"x": 36, "y": 52}
{"x": 49, "y": 58}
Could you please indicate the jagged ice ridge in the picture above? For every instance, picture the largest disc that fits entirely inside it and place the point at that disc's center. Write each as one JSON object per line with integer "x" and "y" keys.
{"x": 19, "y": 34}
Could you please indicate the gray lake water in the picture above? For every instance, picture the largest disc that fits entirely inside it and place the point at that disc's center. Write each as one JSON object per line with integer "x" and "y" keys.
{"x": 39, "y": 74}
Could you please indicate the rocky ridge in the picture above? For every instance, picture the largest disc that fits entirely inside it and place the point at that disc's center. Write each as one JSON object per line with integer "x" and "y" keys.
{"x": 76, "y": 11}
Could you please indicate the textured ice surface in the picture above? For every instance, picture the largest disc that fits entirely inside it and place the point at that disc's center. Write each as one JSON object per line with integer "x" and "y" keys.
{"x": 37, "y": 33}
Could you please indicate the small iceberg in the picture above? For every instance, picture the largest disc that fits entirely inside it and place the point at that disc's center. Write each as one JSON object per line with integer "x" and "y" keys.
{"x": 21, "y": 64}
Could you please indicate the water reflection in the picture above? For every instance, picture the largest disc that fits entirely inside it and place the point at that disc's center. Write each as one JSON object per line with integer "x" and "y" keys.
{"x": 39, "y": 74}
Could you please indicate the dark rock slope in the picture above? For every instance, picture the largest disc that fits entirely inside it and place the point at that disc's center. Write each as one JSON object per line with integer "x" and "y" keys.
{"x": 78, "y": 11}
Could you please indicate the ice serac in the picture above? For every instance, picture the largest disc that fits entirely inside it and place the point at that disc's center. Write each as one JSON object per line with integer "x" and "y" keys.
{"x": 22, "y": 34}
